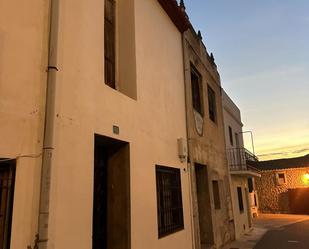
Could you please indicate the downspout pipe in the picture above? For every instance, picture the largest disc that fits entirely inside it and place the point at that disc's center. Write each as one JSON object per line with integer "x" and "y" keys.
{"x": 189, "y": 157}
{"x": 49, "y": 129}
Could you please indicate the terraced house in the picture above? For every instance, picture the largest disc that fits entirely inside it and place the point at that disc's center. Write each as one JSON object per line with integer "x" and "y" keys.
{"x": 243, "y": 175}
{"x": 99, "y": 103}
{"x": 284, "y": 185}
{"x": 211, "y": 198}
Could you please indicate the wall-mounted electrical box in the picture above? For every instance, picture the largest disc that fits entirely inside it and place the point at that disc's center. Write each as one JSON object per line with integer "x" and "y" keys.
{"x": 182, "y": 149}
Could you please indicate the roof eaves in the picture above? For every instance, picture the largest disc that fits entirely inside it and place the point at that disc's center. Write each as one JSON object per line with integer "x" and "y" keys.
{"x": 176, "y": 14}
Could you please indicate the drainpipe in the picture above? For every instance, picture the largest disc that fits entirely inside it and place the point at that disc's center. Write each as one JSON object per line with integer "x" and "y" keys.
{"x": 185, "y": 57}
{"x": 48, "y": 142}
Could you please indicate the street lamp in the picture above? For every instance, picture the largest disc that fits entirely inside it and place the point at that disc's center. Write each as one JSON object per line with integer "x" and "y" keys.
{"x": 242, "y": 132}
{"x": 306, "y": 178}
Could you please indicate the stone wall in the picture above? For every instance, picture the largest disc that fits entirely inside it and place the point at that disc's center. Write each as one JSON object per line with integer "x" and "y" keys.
{"x": 206, "y": 147}
{"x": 273, "y": 197}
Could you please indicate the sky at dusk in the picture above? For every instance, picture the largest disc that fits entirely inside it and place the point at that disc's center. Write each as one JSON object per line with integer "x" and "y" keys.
{"x": 262, "y": 52}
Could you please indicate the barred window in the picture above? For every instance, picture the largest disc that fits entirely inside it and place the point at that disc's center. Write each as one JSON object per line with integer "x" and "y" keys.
{"x": 169, "y": 200}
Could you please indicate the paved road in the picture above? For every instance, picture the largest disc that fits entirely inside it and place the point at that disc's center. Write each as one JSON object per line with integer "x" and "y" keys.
{"x": 295, "y": 236}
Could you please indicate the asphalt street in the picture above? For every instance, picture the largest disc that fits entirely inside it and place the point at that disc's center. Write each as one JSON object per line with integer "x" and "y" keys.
{"x": 295, "y": 236}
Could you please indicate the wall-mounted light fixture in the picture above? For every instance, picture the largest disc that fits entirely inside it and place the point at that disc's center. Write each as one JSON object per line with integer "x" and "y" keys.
{"x": 306, "y": 178}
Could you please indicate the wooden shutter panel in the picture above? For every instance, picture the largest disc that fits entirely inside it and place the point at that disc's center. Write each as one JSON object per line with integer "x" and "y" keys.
{"x": 109, "y": 42}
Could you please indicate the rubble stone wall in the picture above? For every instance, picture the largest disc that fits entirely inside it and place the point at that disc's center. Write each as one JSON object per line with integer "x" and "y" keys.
{"x": 273, "y": 196}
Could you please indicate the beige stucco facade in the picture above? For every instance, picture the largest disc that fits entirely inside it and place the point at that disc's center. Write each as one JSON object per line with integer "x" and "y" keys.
{"x": 148, "y": 107}
{"x": 85, "y": 106}
{"x": 213, "y": 226}
{"x": 23, "y": 64}
{"x": 242, "y": 219}
{"x": 149, "y": 110}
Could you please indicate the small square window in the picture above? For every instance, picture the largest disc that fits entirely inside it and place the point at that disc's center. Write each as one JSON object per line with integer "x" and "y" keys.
{"x": 169, "y": 200}
{"x": 281, "y": 178}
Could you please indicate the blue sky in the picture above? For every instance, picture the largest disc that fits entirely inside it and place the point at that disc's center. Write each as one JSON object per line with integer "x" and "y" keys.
{"x": 262, "y": 52}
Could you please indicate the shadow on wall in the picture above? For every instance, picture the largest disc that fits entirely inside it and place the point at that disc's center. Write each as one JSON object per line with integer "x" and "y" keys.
{"x": 283, "y": 202}
{"x": 299, "y": 200}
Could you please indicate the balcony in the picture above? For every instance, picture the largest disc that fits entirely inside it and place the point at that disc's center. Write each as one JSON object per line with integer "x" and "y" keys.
{"x": 239, "y": 162}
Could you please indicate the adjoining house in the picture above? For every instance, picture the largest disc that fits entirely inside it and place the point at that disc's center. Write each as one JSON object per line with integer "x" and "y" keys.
{"x": 284, "y": 185}
{"x": 23, "y": 65}
{"x": 212, "y": 208}
{"x": 242, "y": 175}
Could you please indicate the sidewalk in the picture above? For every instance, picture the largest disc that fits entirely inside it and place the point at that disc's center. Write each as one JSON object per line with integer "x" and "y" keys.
{"x": 261, "y": 225}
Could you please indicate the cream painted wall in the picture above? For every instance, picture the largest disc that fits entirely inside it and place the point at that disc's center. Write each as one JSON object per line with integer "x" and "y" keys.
{"x": 85, "y": 106}
{"x": 241, "y": 218}
{"x": 23, "y": 64}
{"x": 232, "y": 118}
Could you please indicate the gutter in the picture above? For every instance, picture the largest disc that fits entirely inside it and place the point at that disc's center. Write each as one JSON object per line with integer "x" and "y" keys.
{"x": 48, "y": 139}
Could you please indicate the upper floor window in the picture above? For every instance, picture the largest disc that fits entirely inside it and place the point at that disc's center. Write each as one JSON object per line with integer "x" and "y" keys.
{"x": 119, "y": 46}
{"x": 109, "y": 43}
{"x": 231, "y": 135}
{"x": 196, "y": 91}
{"x": 250, "y": 185}
{"x": 212, "y": 104}
{"x": 236, "y": 140}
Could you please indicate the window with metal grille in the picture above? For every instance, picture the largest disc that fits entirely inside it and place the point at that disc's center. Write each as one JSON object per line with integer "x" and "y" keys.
{"x": 7, "y": 182}
{"x": 109, "y": 42}
{"x": 212, "y": 104}
{"x": 216, "y": 194}
{"x": 169, "y": 200}
{"x": 240, "y": 200}
{"x": 196, "y": 91}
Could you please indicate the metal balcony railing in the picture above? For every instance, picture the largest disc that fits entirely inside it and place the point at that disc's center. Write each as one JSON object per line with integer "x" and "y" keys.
{"x": 238, "y": 159}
